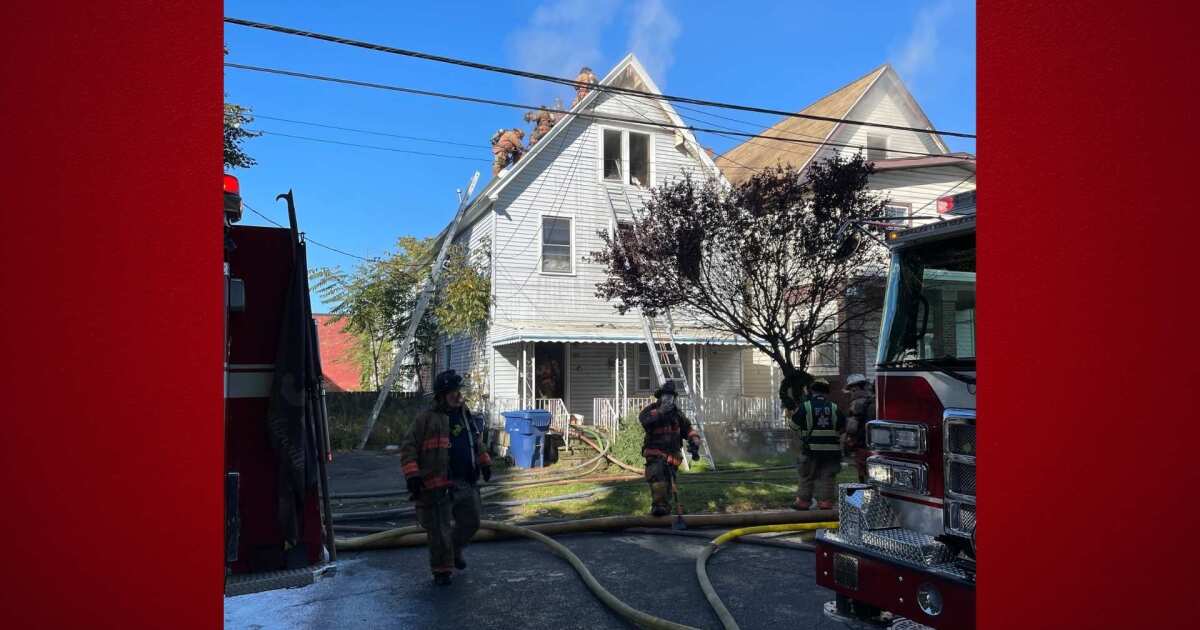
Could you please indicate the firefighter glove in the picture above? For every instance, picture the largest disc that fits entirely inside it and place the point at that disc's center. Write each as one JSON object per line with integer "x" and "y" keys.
{"x": 414, "y": 486}
{"x": 487, "y": 472}
{"x": 694, "y": 449}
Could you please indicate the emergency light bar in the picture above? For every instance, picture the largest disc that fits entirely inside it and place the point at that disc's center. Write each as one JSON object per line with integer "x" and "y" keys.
{"x": 233, "y": 199}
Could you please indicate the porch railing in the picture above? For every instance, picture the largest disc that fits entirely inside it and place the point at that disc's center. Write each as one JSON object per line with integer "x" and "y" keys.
{"x": 740, "y": 410}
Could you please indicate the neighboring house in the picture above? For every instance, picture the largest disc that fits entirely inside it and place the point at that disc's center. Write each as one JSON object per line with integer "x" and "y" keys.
{"x": 913, "y": 183}
{"x": 551, "y": 342}
{"x": 338, "y": 367}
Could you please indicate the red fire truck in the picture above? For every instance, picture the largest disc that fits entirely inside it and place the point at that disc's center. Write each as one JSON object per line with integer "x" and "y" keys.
{"x": 904, "y": 552}
{"x": 278, "y": 531}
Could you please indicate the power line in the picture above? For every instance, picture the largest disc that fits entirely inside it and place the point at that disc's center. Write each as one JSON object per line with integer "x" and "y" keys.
{"x": 571, "y": 82}
{"x": 369, "y": 131}
{"x": 363, "y": 146}
{"x": 308, "y": 238}
{"x": 594, "y": 116}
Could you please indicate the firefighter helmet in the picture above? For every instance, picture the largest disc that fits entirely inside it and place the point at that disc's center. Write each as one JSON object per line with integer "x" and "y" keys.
{"x": 855, "y": 379}
{"x": 447, "y": 381}
{"x": 820, "y": 386}
{"x": 667, "y": 388}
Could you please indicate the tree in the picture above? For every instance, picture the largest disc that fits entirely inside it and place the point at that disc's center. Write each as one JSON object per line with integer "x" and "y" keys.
{"x": 377, "y": 299}
{"x": 236, "y": 118}
{"x": 768, "y": 260}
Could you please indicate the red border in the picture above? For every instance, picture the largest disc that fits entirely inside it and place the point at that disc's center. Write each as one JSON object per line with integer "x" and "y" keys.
{"x": 111, "y": 256}
{"x": 1088, "y": 326}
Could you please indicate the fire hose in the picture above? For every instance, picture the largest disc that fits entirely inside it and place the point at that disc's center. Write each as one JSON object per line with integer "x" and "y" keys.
{"x": 702, "y": 572}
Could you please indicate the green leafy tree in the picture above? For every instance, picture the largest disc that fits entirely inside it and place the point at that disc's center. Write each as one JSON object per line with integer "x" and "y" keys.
{"x": 236, "y": 117}
{"x": 377, "y": 299}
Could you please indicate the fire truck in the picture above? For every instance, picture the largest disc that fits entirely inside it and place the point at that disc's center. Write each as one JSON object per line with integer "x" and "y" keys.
{"x": 278, "y": 527}
{"x": 904, "y": 553}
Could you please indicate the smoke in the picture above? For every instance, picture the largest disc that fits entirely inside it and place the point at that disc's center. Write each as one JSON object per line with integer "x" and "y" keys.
{"x": 561, "y": 37}
{"x": 652, "y": 34}
{"x": 919, "y": 53}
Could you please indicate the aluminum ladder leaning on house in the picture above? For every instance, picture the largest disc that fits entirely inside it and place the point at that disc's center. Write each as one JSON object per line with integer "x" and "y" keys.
{"x": 664, "y": 354}
{"x": 414, "y": 319}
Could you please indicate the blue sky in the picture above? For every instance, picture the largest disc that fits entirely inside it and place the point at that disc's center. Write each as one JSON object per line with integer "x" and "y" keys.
{"x": 781, "y": 55}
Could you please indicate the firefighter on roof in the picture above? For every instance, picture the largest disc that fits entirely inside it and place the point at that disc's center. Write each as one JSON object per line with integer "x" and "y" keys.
{"x": 862, "y": 411}
{"x": 443, "y": 456}
{"x": 507, "y": 147}
{"x": 585, "y": 76}
{"x": 666, "y": 430}
{"x": 820, "y": 422}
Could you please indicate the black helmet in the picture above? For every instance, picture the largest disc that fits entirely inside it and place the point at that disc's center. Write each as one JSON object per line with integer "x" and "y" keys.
{"x": 820, "y": 386}
{"x": 447, "y": 381}
{"x": 667, "y": 388}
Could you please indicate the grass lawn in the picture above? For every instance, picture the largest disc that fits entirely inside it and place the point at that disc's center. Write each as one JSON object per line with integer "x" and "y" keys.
{"x": 751, "y": 491}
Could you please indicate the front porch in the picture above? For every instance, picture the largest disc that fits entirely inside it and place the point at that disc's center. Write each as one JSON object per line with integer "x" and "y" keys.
{"x": 599, "y": 381}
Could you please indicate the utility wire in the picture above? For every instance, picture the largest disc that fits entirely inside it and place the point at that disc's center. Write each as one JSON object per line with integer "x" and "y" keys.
{"x": 364, "y": 146}
{"x": 308, "y": 238}
{"x": 256, "y": 115}
{"x": 594, "y": 116}
{"x": 571, "y": 82}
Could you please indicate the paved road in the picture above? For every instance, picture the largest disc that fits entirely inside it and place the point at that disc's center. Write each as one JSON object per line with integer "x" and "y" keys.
{"x": 521, "y": 584}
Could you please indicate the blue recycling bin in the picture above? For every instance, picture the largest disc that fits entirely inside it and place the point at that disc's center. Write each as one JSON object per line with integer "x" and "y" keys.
{"x": 526, "y": 436}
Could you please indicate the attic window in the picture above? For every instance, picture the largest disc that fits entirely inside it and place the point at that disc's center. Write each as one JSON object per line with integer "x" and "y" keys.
{"x": 877, "y": 147}
{"x": 626, "y": 157}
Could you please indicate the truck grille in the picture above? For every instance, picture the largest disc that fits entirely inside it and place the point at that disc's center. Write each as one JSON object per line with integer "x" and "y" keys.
{"x": 961, "y": 478}
{"x": 959, "y": 446}
{"x": 961, "y": 439}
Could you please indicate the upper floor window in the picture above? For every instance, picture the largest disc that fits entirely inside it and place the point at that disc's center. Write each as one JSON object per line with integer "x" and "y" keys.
{"x": 877, "y": 147}
{"x": 626, "y": 157}
{"x": 556, "y": 245}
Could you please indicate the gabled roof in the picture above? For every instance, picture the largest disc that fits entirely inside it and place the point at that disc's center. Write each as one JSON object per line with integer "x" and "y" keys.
{"x": 740, "y": 162}
{"x": 629, "y": 71}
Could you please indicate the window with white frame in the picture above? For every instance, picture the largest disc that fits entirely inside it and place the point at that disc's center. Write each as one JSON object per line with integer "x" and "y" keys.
{"x": 877, "y": 147}
{"x": 626, "y": 157}
{"x": 556, "y": 245}
{"x": 896, "y": 214}
{"x": 825, "y": 355}
{"x": 644, "y": 371}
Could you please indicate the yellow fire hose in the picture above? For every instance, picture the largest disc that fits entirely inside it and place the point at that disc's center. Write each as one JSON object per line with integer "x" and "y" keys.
{"x": 702, "y": 573}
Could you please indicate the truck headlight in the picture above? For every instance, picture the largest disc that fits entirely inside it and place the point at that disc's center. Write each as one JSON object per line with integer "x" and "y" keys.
{"x": 907, "y": 476}
{"x": 929, "y": 599}
{"x": 896, "y": 436}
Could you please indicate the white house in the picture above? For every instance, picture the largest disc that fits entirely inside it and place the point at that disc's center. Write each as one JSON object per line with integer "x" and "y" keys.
{"x": 551, "y": 342}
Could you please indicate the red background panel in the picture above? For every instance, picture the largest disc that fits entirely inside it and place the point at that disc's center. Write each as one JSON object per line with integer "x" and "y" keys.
{"x": 1087, "y": 317}
{"x": 111, "y": 258}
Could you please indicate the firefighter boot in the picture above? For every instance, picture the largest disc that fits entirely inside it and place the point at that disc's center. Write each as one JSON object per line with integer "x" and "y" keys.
{"x": 659, "y": 498}
{"x": 459, "y": 563}
{"x": 801, "y": 504}
{"x": 825, "y": 505}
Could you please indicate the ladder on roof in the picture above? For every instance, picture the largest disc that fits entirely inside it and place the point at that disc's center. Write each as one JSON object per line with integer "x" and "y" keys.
{"x": 418, "y": 313}
{"x": 664, "y": 353}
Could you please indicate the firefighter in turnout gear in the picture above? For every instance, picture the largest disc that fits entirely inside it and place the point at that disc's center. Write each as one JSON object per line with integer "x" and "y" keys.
{"x": 508, "y": 145}
{"x": 820, "y": 422}
{"x": 443, "y": 457}
{"x": 585, "y": 76}
{"x": 666, "y": 430}
{"x": 862, "y": 411}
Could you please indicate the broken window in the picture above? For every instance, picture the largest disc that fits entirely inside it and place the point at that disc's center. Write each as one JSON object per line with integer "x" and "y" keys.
{"x": 625, "y": 156}
{"x": 877, "y": 147}
{"x": 639, "y": 159}
{"x": 612, "y": 155}
{"x": 556, "y": 245}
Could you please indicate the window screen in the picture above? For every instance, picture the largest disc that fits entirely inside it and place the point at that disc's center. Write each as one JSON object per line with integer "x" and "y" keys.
{"x": 556, "y": 245}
